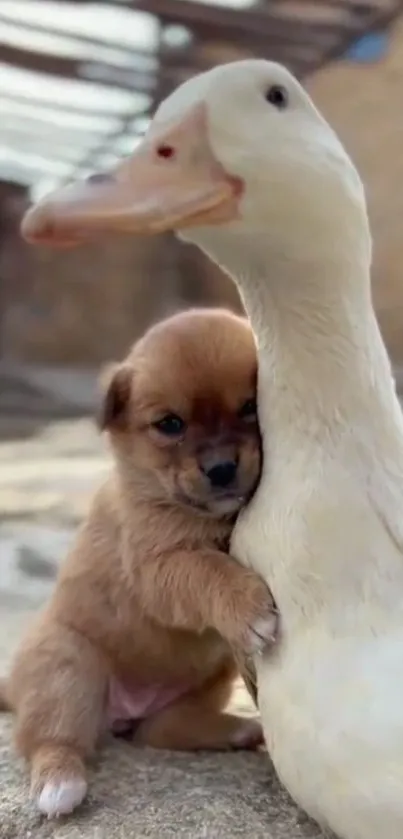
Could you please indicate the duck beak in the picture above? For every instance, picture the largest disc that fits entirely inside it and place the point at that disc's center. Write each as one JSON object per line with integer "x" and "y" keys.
{"x": 172, "y": 181}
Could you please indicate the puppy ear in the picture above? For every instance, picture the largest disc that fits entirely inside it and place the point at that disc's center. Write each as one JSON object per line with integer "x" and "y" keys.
{"x": 116, "y": 385}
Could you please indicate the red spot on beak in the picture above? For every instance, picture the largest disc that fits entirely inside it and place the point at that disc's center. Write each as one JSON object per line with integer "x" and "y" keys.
{"x": 165, "y": 151}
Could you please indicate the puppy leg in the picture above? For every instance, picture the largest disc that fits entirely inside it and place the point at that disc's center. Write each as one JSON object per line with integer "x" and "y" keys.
{"x": 197, "y": 722}
{"x": 189, "y": 726}
{"x": 58, "y": 688}
{"x": 236, "y": 601}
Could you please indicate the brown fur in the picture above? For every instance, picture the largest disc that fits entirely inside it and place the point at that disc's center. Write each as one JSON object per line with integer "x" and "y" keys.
{"x": 4, "y": 702}
{"x": 148, "y": 595}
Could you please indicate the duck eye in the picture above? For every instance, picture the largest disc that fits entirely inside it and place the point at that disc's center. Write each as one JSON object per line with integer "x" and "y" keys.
{"x": 277, "y": 95}
{"x": 248, "y": 410}
{"x": 171, "y": 425}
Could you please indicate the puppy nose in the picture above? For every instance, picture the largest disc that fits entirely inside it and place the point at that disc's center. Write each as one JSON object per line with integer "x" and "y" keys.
{"x": 222, "y": 474}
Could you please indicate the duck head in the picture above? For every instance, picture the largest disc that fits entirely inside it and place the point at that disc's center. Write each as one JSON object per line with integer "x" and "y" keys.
{"x": 234, "y": 158}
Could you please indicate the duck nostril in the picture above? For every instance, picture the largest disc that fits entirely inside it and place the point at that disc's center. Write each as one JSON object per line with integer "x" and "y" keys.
{"x": 222, "y": 474}
{"x": 99, "y": 178}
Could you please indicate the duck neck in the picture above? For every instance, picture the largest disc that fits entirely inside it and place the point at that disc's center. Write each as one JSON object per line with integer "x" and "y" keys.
{"x": 328, "y": 408}
{"x": 322, "y": 361}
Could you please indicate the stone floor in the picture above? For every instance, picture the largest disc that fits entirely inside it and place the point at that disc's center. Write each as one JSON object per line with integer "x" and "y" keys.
{"x": 48, "y": 469}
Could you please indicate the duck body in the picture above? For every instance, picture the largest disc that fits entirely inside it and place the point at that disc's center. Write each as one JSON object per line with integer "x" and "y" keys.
{"x": 239, "y": 161}
{"x": 345, "y": 789}
{"x": 325, "y": 525}
{"x": 325, "y": 531}
{"x": 331, "y": 695}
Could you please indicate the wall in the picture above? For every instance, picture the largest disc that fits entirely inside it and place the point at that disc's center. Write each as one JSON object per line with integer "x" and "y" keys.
{"x": 86, "y": 306}
{"x": 365, "y": 105}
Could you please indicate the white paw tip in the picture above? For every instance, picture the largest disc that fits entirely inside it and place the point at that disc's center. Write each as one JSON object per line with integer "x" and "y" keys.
{"x": 61, "y": 798}
{"x": 249, "y": 735}
{"x": 264, "y": 631}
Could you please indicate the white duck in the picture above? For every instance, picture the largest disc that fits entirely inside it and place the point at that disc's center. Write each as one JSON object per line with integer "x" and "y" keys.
{"x": 242, "y": 164}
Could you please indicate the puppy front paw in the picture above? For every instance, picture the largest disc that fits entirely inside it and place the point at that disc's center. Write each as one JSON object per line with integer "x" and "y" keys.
{"x": 251, "y": 620}
{"x": 262, "y": 633}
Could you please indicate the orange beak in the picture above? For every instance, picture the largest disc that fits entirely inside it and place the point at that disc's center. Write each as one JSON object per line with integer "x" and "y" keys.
{"x": 172, "y": 181}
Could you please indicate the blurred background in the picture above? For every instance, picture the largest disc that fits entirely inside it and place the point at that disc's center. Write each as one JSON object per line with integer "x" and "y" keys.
{"x": 78, "y": 82}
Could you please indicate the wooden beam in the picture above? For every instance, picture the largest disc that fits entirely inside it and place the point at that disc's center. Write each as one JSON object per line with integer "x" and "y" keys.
{"x": 268, "y": 17}
{"x": 353, "y": 5}
{"x": 27, "y": 26}
{"x": 74, "y": 69}
{"x": 193, "y": 60}
{"x": 262, "y": 22}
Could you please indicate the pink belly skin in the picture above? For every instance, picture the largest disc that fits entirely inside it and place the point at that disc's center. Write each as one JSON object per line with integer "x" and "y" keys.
{"x": 128, "y": 703}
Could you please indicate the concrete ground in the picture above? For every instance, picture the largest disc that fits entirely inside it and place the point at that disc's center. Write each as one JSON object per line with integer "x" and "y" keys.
{"x": 48, "y": 469}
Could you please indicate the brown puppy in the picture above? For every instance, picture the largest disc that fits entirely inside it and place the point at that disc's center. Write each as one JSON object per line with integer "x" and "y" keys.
{"x": 148, "y": 604}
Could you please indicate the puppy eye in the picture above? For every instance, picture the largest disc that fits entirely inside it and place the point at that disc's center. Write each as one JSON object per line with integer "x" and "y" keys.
{"x": 171, "y": 425}
{"x": 248, "y": 410}
{"x": 277, "y": 95}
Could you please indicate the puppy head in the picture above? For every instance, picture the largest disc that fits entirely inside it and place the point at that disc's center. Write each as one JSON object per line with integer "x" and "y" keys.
{"x": 181, "y": 412}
